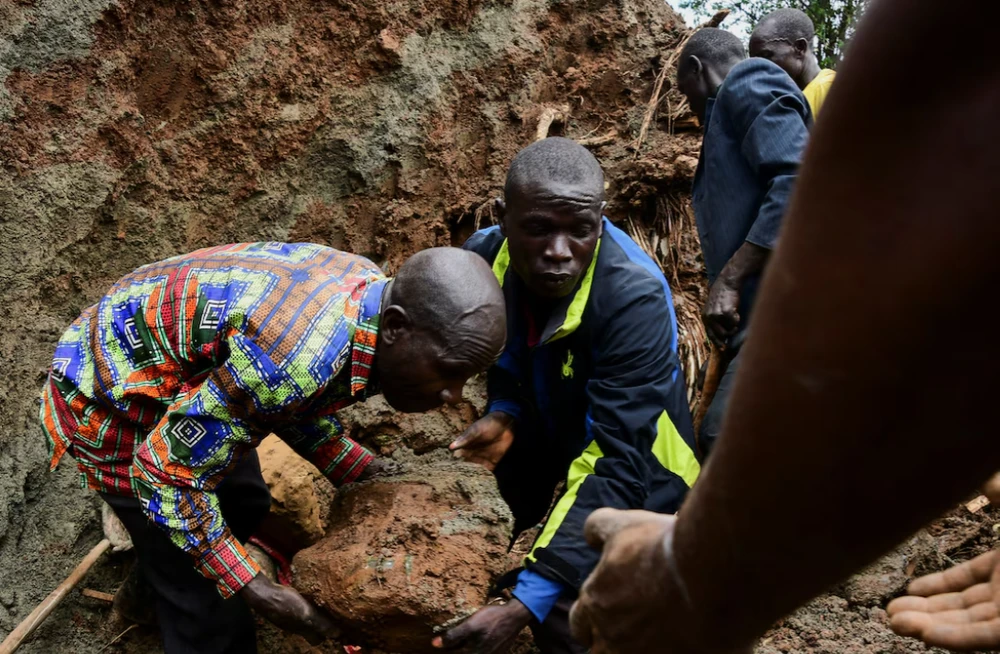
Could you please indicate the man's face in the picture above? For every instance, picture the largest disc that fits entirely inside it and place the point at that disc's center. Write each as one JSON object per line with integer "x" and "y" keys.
{"x": 694, "y": 84}
{"x": 552, "y": 230}
{"x": 783, "y": 52}
{"x": 416, "y": 375}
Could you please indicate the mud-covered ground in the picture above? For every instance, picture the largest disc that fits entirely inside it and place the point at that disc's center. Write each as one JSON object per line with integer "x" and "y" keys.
{"x": 849, "y": 620}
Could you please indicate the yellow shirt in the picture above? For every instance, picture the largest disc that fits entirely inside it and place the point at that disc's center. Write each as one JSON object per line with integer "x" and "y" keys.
{"x": 817, "y": 89}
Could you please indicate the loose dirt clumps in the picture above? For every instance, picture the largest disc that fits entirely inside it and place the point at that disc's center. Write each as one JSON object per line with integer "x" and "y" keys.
{"x": 300, "y": 498}
{"x": 409, "y": 552}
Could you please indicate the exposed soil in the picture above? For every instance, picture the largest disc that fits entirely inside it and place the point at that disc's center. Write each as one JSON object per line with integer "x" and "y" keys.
{"x": 134, "y": 130}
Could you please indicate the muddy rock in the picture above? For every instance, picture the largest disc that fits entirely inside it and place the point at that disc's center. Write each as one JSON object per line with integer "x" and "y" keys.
{"x": 300, "y": 497}
{"x": 409, "y": 552}
{"x": 889, "y": 576}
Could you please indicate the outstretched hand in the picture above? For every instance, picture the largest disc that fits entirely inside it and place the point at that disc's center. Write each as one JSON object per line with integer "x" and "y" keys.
{"x": 490, "y": 630}
{"x": 958, "y": 609}
{"x": 486, "y": 440}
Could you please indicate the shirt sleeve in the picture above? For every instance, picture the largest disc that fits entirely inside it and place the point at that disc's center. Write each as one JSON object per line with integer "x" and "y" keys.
{"x": 770, "y": 118}
{"x": 323, "y": 443}
{"x": 177, "y": 468}
{"x": 637, "y": 417}
{"x": 538, "y": 593}
{"x": 502, "y": 387}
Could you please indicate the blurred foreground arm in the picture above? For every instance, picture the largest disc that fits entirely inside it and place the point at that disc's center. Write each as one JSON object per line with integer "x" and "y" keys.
{"x": 858, "y": 385}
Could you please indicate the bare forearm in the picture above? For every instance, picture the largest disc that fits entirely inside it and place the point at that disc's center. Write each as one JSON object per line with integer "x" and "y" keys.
{"x": 856, "y": 392}
{"x": 747, "y": 261}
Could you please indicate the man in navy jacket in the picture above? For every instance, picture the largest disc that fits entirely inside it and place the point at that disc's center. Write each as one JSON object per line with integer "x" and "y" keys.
{"x": 756, "y": 126}
{"x": 588, "y": 392}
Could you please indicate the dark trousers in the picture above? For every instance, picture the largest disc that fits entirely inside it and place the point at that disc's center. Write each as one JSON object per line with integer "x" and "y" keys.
{"x": 193, "y": 617}
{"x": 711, "y": 424}
{"x": 527, "y": 477}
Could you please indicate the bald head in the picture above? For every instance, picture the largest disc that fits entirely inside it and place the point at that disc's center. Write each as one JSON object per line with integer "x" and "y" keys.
{"x": 442, "y": 322}
{"x": 454, "y": 296}
{"x": 786, "y": 37}
{"x": 554, "y": 162}
{"x": 790, "y": 24}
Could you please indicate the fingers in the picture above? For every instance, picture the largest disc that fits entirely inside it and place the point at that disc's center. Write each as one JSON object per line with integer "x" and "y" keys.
{"x": 976, "y": 636}
{"x": 454, "y": 637}
{"x": 603, "y": 524}
{"x": 580, "y": 624}
{"x": 975, "y": 628}
{"x": 991, "y": 489}
{"x": 469, "y": 436}
{"x": 956, "y": 579}
{"x": 945, "y": 602}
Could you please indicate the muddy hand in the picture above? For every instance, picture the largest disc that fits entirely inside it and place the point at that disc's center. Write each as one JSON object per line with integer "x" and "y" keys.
{"x": 379, "y": 468}
{"x": 287, "y": 609}
{"x": 721, "y": 313}
{"x": 633, "y": 602}
{"x": 490, "y": 630}
{"x": 485, "y": 441}
{"x": 958, "y": 609}
{"x": 114, "y": 530}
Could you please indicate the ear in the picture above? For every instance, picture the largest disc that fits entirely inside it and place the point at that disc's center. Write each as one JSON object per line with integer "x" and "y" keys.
{"x": 696, "y": 66}
{"x": 501, "y": 211}
{"x": 801, "y": 46}
{"x": 395, "y": 324}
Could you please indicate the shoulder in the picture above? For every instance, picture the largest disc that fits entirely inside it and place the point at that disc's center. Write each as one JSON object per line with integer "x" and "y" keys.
{"x": 486, "y": 243}
{"x": 629, "y": 284}
{"x": 755, "y": 80}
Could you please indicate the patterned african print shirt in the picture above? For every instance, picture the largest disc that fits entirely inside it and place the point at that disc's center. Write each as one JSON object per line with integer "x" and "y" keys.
{"x": 186, "y": 364}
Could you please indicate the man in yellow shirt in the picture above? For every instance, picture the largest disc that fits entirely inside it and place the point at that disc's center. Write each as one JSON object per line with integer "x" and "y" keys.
{"x": 786, "y": 37}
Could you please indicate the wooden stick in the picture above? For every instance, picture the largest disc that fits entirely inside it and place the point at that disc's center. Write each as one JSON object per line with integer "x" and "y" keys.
{"x": 42, "y": 611}
{"x": 713, "y": 375}
{"x": 98, "y": 595}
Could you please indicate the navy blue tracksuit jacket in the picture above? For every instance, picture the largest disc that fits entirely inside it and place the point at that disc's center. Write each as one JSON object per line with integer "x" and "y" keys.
{"x": 599, "y": 402}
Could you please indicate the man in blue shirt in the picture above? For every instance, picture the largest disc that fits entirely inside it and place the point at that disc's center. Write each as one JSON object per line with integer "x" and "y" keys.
{"x": 588, "y": 391}
{"x": 756, "y": 124}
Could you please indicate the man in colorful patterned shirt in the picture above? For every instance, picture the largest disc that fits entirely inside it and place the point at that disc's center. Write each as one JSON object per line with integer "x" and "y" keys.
{"x": 162, "y": 390}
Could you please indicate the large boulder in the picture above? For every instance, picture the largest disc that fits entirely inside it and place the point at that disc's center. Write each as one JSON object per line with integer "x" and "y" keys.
{"x": 407, "y": 553}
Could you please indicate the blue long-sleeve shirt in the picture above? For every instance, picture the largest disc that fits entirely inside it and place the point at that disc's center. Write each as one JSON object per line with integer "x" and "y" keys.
{"x": 756, "y": 128}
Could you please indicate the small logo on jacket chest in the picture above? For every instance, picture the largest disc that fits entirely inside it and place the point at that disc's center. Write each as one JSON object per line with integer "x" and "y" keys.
{"x": 567, "y": 366}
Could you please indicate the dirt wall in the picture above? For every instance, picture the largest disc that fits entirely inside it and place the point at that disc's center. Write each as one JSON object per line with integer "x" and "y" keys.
{"x": 133, "y": 130}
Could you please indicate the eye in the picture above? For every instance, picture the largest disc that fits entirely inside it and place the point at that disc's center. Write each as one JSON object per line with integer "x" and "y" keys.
{"x": 536, "y": 229}
{"x": 583, "y": 230}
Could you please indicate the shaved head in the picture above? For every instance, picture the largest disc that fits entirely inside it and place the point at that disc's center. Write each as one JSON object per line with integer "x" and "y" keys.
{"x": 786, "y": 37}
{"x": 442, "y": 321}
{"x": 705, "y": 62}
{"x": 554, "y": 160}
{"x": 789, "y": 24}
{"x": 714, "y": 47}
{"x": 453, "y": 295}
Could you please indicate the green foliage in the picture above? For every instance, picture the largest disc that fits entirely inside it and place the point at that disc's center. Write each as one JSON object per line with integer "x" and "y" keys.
{"x": 834, "y": 19}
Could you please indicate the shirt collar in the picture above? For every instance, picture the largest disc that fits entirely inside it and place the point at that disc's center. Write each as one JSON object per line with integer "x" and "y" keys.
{"x": 364, "y": 381}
